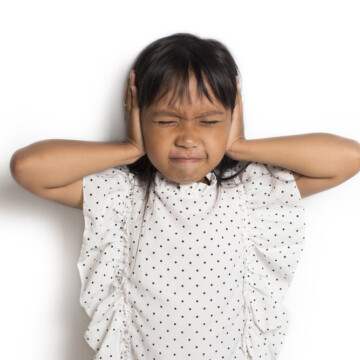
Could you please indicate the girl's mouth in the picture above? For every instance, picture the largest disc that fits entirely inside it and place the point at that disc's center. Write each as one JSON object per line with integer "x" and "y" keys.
{"x": 185, "y": 161}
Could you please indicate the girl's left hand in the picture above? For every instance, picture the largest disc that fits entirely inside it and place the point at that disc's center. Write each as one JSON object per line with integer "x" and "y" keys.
{"x": 237, "y": 124}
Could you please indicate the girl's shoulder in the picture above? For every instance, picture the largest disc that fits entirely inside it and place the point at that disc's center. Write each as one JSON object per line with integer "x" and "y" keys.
{"x": 251, "y": 170}
{"x": 119, "y": 175}
{"x": 121, "y": 170}
{"x": 265, "y": 184}
{"x": 110, "y": 186}
{"x": 256, "y": 169}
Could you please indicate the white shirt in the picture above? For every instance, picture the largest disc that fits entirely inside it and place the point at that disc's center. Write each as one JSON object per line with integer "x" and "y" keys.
{"x": 211, "y": 270}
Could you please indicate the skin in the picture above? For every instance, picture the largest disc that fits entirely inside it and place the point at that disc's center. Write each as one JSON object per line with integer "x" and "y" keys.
{"x": 185, "y": 135}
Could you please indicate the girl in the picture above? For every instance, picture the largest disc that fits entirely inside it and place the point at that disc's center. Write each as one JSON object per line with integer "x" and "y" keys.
{"x": 192, "y": 232}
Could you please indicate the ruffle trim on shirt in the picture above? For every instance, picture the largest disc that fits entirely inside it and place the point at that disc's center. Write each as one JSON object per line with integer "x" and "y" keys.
{"x": 273, "y": 226}
{"x": 104, "y": 259}
{"x": 170, "y": 187}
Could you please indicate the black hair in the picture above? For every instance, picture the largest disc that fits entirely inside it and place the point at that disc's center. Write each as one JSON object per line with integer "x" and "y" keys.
{"x": 165, "y": 64}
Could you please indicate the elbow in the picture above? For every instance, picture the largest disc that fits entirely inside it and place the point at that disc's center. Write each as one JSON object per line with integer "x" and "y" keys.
{"x": 354, "y": 168}
{"x": 358, "y": 155}
{"x": 350, "y": 163}
{"x": 16, "y": 165}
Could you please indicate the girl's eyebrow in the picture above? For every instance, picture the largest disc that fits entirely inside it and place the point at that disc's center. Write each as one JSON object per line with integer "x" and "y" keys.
{"x": 173, "y": 114}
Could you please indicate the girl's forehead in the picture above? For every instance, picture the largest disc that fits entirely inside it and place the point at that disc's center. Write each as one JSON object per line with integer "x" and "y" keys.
{"x": 172, "y": 95}
{"x": 192, "y": 101}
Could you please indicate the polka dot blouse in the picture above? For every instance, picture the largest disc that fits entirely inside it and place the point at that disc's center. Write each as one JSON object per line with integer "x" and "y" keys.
{"x": 203, "y": 276}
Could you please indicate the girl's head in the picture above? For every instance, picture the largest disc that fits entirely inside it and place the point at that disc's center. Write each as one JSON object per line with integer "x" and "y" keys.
{"x": 179, "y": 78}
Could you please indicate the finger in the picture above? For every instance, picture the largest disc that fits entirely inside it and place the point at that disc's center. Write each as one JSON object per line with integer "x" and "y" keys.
{"x": 134, "y": 100}
{"x": 239, "y": 96}
{"x": 126, "y": 91}
{"x": 238, "y": 86}
{"x": 132, "y": 78}
{"x": 129, "y": 96}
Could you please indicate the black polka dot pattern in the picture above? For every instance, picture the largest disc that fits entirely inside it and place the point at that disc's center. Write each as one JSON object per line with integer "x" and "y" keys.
{"x": 273, "y": 228}
{"x": 202, "y": 277}
{"x": 103, "y": 259}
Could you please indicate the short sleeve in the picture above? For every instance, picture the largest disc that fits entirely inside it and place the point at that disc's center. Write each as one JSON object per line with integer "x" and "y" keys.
{"x": 103, "y": 260}
{"x": 273, "y": 224}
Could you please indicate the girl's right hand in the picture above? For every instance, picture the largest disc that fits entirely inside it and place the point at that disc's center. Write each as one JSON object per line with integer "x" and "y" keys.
{"x": 132, "y": 117}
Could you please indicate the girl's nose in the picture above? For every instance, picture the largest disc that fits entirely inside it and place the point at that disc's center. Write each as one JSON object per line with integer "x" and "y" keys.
{"x": 187, "y": 138}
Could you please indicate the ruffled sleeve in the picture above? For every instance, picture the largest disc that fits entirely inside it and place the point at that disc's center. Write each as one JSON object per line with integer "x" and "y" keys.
{"x": 273, "y": 225}
{"x": 104, "y": 259}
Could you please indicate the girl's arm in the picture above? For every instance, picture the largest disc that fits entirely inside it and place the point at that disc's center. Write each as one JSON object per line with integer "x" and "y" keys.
{"x": 53, "y": 169}
{"x": 319, "y": 161}
{"x": 322, "y": 160}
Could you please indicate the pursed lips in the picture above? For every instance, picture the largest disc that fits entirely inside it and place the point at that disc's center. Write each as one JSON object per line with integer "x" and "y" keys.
{"x": 188, "y": 157}
{"x": 187, "y": 160}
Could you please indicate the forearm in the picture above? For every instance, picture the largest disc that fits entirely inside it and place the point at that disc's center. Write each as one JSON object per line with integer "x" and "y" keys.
{"x": 56, "y": 163}
{"x": 315, "y": 154}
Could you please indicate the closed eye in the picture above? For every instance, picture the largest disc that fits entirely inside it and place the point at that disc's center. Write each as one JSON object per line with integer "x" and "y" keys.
{"x": 208, "y": 123}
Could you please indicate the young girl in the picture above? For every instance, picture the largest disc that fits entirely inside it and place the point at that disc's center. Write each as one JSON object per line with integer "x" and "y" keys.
{"x": 192, "y": 232}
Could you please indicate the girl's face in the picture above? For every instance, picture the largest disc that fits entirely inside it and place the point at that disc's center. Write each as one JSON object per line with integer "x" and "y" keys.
{"x": 186, "y": 131}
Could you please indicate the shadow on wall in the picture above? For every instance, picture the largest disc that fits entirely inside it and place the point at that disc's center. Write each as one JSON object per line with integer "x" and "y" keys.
{"x": 68, "y": 226}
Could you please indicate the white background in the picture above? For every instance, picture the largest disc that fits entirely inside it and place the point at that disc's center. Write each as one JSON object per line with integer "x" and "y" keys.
{"x": 63, "y": 70}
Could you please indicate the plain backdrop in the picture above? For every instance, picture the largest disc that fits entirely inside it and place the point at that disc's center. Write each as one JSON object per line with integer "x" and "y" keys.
{"x": 63, "y": 70}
